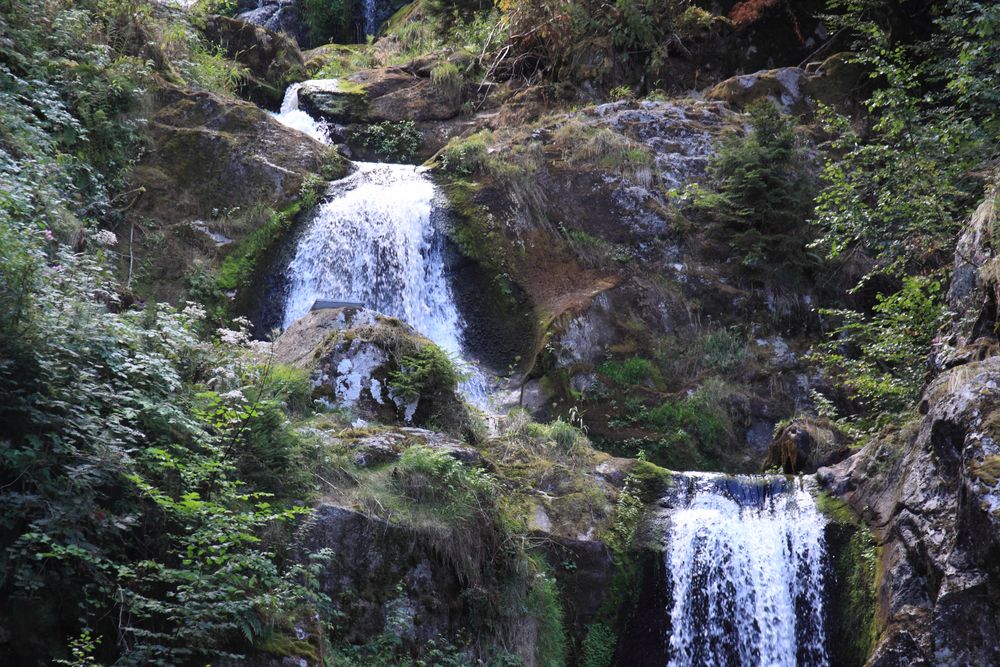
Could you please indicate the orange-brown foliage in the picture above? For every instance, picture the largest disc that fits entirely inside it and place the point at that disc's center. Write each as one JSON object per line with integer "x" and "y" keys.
{"x": 750, "y": 11}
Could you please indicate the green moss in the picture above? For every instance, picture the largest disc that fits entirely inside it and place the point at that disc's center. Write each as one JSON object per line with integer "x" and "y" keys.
{"x": 286, "y": 646}
{"x": 238, "y": 268}
{"x": 545, "y": 607}
{"x": 631, "y": 371}
{"x": 835, "y": 509}
{"x": 650, "y": 479}
{"x": 854, "y": 557}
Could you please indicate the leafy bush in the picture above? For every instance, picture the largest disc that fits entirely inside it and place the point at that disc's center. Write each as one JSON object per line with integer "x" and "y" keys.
{"x": 393, "y": 141}
{"x": 880, "y": 358}
{"x": 565, "y": 435}
{"x": 434, "y": 477}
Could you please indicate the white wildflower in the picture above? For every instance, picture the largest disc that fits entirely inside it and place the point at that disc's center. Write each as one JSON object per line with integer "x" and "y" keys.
{"x": 194, "y": 310}
{"x": 234, "y": 395}
{"x": 230, "y": 337}
{"x": 106, "y": 238}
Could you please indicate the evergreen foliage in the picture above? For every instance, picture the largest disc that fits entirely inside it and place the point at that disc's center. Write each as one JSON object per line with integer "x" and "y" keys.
{"x": 762, "y": 194}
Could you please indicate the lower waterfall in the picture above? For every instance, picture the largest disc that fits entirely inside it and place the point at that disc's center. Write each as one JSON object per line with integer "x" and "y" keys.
{"x": 745, "y": 563}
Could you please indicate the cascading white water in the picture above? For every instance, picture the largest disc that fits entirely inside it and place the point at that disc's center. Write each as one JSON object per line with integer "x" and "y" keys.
{"x": 745, "y": 564}
{"x": 293, "y": 117}
{"x": 373, "y": 241}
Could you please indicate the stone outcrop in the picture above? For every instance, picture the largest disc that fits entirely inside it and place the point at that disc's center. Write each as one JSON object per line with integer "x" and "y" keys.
{"x": 930, "y": 491}
{"x": 353, "y": 354}
{"x": 213, "y": 170}
{"x": 393, "y": 94}
{"x": 835, "y": 82}
{"x": 283, "y": 16}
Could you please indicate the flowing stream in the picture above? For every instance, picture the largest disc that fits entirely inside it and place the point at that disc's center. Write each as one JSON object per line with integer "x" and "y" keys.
{"x": 373, "y": 240}
{"x": 745, "y": 559}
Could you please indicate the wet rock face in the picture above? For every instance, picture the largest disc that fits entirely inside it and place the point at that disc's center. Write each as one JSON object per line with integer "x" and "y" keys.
{"x": 931, "y": 496}
{"x": 371, "y": 557}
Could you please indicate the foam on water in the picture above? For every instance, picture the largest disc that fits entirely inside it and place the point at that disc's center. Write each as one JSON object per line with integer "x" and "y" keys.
{"x": 745, "y": 562}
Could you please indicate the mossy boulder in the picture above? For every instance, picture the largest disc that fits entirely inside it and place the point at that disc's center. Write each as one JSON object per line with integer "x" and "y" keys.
{"x": 805, "y": 445}
{"x": 360, "y": 361}
{"x": 835, "y": 82}
{"x": 272, "y": 59}
{"x": 214, "y": 171}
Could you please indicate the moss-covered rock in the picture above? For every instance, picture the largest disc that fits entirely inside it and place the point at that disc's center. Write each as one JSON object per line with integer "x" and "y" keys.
{"x": 272, "y": 59}
{"x": 805, "y": 445}
{"x": 215, "y": 170}
{"x": 365, "y": 362}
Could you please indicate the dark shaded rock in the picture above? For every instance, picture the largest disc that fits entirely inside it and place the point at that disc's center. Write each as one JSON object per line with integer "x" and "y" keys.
{"x": 283, "y": 16}
{"x": 584, "y": 571}
{"x": 213, "y": 169}
{"x": 371, "y": 558}
{"x": 645, "y": 633}
{"x": 272, "y": 59}
{"x": 805, "y": 445}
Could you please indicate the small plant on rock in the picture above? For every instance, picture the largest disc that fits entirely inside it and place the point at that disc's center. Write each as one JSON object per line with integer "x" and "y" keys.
{"x": 393, "y": 141}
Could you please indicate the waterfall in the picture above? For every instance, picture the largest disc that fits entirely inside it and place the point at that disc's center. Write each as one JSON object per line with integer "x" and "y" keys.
{"x": 372, "y": 17}
{"x": 293, "y": 117}
{"x": 373, "y": 240}
{"x": 744, "y": 562}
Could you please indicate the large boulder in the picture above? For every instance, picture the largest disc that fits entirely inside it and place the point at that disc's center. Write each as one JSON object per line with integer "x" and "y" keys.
{"x": 213, "y": 171}
{"x": 390, "y": 94}
{"x": 835, "y": 82}
{"x": 804, "y": 445}
{"x": 353, "y": 355}
{"x": 272, "y": 59}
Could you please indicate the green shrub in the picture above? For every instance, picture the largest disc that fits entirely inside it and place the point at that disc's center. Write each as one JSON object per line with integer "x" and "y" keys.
{"x": 393, "y": 141}
{"x": 466, "y": 157}
{"x": 428, "y": 374}
{"x": 565, "y": 435}
{"x": 438, "y": 483}
{"x": 878, "y": 359}
{"x": 763, "y": 193}
{"x": 631, "y": 371}
{"x": 723, "y": 350}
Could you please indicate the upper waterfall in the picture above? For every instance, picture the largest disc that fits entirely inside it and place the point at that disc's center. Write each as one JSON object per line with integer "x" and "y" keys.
{"x": 373, "y": 241}
{"x": 295, "y": 118}
{"x": 745, "y": 562}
